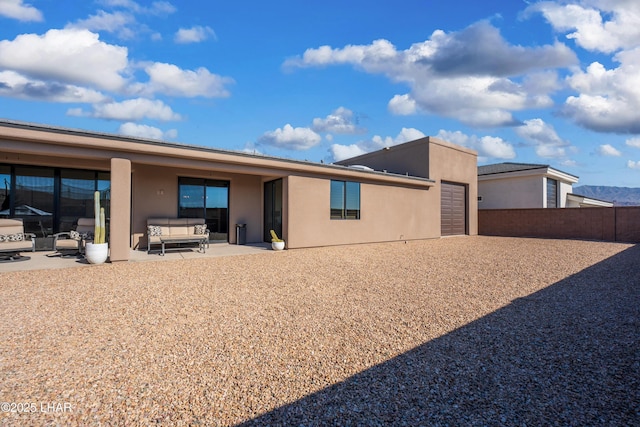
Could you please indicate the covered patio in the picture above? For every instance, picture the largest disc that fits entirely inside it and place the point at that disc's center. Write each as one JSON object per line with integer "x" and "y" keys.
{"x": 47, "y": 260}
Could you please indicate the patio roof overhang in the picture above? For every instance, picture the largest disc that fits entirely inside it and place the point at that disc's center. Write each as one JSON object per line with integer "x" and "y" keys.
{"x": 71, "y": 143}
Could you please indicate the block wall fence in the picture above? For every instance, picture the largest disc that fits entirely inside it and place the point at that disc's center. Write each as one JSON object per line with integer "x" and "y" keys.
{"x": 617, "y": 224}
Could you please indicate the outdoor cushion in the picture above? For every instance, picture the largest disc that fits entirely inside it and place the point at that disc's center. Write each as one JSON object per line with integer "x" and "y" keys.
{"x": 200, "y": 229}
{"x": 78, "y": 236}
{"x": 17, "y": 237}
{"x": 155, "y": 230}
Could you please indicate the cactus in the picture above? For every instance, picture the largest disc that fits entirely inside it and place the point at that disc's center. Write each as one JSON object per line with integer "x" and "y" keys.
{"x": 103, "y": 227}
{"x": 274, "y": 237}
{"x": 99, "y": 228}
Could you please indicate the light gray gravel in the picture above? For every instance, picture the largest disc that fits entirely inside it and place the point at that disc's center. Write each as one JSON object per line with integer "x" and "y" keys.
{"x": 455, "y": 331}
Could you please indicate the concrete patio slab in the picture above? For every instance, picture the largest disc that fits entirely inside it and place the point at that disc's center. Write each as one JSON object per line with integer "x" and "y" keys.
{"x": 44, "y": 260}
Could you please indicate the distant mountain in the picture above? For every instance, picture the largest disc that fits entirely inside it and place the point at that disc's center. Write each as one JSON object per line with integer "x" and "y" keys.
{"x": 620, "y": 196}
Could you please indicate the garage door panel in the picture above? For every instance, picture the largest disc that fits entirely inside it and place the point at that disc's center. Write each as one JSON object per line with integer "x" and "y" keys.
{"x": 453, "y": 209}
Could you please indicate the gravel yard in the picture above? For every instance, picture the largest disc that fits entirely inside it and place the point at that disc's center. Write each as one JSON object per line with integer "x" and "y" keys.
{"x": 453, "y": 331}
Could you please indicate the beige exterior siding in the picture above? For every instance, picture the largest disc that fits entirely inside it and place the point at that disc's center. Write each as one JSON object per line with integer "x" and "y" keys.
{"x": 524, "y": 192}
{"x": 386, "y": 214}
{"x": 402, "y": 203}
{"x": 434, "y": 159}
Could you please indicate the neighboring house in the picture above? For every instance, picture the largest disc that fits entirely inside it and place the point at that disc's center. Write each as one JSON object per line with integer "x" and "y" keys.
{"x": 450, "y": 166}
{"x": 55, "y": 170}
{"x": 524, "y": 185}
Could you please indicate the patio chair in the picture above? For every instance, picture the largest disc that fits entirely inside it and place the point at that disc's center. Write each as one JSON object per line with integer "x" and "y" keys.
{"x": 14, "y": 240}
{"x": 71, "y": 243}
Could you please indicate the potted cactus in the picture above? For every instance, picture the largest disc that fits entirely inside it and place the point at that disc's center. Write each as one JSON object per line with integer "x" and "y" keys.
{"x": 277, "y": 244}
{"x": 97, "y": 251}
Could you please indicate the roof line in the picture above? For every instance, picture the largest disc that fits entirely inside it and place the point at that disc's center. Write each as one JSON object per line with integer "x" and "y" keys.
{"x": 179, "y": 145}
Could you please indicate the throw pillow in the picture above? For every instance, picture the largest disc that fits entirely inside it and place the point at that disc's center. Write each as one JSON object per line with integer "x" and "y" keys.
{"x": 4, "y": 238}
{"x": 200, "y": 229}
{"x": 18, "y": 237}
{"x": 74, "y": 235}
{"x": 154, "y": 230}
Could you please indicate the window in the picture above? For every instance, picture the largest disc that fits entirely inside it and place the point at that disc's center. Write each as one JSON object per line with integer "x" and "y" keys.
{"x": 50, "y": 200}
{"x": 552, "y": 193}
{"x": 345, "y": 200}
{"x": 272, "y": 208}
{"x": 208, "y": 199}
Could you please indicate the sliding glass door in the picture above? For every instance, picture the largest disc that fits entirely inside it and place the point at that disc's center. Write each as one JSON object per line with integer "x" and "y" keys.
{"x": 34, "y": 199}
{"x": 272, "y": 208}
{"x": 208, "y": 199}
{"x": 50, "y": 200}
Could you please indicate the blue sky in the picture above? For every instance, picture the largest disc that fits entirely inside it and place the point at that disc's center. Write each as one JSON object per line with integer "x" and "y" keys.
{"x": 552, "y": 82}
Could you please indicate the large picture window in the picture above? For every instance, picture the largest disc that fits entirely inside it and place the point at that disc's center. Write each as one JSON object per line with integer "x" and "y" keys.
{"x": 50, "y": 200}
{"x": 345, "y": 200}
{"x": 208, "y": 199}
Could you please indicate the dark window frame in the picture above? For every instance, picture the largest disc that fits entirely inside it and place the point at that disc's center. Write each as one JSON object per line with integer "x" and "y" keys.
{"x": 217, "y": 225}
{"x": 552, "y": 199}
{"x": 344, "y": 196}
{"x": 60, "y": 220}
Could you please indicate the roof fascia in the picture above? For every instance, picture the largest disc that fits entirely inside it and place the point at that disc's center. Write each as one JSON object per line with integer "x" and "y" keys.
{"x": 543, "y": 171}
{"x": 113, "y": 144}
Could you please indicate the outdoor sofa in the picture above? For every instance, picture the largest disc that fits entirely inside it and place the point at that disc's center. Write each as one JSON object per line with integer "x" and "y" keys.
{"x": 14, "y": 240}
{"x": 163, "y": 231}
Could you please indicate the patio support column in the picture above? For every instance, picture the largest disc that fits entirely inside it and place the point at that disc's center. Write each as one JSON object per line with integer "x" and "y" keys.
{"x": 120, "y": 222}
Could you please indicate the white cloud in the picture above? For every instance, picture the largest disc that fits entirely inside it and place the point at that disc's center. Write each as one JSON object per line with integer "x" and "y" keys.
{"x": 608, "y": 99}
{"x": 120, "y": 23}
{"x": 156, "y": 8}
{"x": 172, "y": 80}
{"x": 402, "y": 105}
{"x": 292, "y": 138}
{"x": 130, "y": 110}
{"x": 486, "y": 146}
{"x": 340, "y": 121}
{"x": 633, "y": 142}
{"x": 539, "y": 132}
{"x": 194, "y": 35}
{"x": 550, "y": 151}
{"x": 544, "y": 137}
{"x": 72, "y": 56}
{"x": 341, "y": 152}
{"x": 144, "y": 131}
{"x": 633, "y": 165}
{"x": 596, "y": 25}
{"x": 17, "y": 9}
{"x": 465, "y": 74}
{"x": 608, "y": 150}
{"x": 15, "y": 85}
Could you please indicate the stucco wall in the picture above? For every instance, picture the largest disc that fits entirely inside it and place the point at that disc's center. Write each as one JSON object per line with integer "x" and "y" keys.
{"x": 451, "y": 163}
{"x": 564, "y": 189}
{"x": 387, "y": 213}
{"x": 155, "y": 195}
{"x": 523, "y": 192}
{"x": 411, "y": 158}
{"x": 435, "y": 159}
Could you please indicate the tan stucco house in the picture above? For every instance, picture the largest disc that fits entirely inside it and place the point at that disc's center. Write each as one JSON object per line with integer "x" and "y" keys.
{"x": 450, "y": 166}
{"x": 524, "y": 185}
{"x": 54, "y": 172}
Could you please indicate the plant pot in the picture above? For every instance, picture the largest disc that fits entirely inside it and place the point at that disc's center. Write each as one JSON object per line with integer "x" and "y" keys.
{"x": 277, "y": 246}
{"x": 96, "y": 253}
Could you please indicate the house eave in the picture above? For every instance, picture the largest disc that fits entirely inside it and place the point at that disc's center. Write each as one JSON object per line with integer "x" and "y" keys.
{"x": 38, "y": 139}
